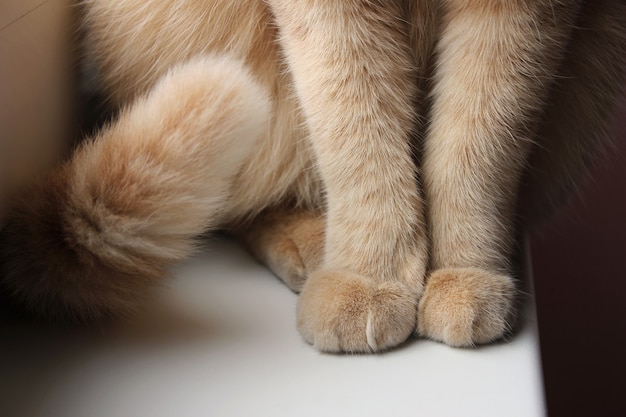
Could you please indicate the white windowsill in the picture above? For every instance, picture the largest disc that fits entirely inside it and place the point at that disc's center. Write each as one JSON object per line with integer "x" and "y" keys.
{"x": 221, "y": 341}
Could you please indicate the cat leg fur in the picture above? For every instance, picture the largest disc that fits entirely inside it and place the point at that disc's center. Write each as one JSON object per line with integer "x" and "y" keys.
{"x": 353, "y": 76}
{"x": 496, "y": 61}
{"x": 92, "y": 237}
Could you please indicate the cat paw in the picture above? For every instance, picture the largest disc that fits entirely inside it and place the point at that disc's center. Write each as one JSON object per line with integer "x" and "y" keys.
{"x": 285, "y": 261}
{"x": 290, "y": 244}
{"x": 466, "y": 306}
{"x": 343, "y": 312}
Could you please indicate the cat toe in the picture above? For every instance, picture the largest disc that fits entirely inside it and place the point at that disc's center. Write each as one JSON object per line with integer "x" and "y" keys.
{"x": 466, "y": 306}
{"x": 289, "y": 243}
{"x": 343, "y": 312}
{"x": 285, "y": 261}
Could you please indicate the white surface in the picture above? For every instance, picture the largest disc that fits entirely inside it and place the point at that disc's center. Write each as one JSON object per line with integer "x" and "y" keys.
{"x": 221, "y": 341}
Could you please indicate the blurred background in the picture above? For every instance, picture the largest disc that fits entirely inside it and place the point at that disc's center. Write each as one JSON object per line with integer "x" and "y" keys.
{"x": 579, "y": 271}
{"x": 37, "y": 89}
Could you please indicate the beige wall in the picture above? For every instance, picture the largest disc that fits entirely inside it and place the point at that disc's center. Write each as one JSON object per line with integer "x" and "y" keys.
{"x": 36, "y": 89}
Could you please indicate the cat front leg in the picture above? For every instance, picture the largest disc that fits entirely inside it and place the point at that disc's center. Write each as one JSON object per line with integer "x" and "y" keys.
{"x": 496, "y": 60}
{"x": 351, "y": 67}
{"x": 90, "y": 239}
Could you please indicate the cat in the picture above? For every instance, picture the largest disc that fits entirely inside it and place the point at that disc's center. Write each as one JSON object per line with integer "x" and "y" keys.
{"x": 371, "y": 153}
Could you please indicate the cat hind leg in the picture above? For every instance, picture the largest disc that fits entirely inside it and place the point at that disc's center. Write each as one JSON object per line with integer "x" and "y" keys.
{"x": 289, "y": 242}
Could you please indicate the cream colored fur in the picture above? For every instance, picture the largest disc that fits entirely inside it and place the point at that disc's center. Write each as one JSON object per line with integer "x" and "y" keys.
{"x": 298, "y": 126}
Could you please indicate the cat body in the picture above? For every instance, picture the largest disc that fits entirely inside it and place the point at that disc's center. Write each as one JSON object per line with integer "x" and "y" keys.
{"x": 297, "y": 125}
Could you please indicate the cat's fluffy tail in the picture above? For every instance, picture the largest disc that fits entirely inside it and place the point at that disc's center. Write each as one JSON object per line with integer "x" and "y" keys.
{"x": 89, "y": 239}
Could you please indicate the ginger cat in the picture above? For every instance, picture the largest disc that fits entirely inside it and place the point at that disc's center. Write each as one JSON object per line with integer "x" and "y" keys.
{"x": 303, "y": 127}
